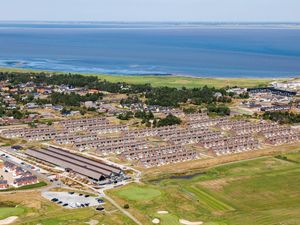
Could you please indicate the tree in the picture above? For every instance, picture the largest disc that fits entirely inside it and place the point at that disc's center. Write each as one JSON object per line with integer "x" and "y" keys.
{"x": 220, "y": 110}
{"x": 168, "y": 121}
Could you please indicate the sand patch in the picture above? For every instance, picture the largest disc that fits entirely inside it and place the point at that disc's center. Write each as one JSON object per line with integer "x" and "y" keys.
{"x": 156, "y": 221}
{"x": 92, "y": 222}
{"x": 162, "y": 212}
{"x": 186, "y": 222}
{"x": 8, "y": 220}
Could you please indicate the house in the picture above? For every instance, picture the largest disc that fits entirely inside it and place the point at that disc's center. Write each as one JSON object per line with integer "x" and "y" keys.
{"x": 25, "y": 181}
{"x": 9, "y": 166}
{"x": 3, "y": 184}
{"x": 18, "y": 172}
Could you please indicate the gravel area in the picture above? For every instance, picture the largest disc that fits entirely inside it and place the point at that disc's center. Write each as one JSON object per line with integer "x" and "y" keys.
{"x": 68, "y": 200}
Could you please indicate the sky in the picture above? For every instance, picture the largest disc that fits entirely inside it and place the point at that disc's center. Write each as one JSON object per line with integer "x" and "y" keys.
{"x": 152, "y": 10}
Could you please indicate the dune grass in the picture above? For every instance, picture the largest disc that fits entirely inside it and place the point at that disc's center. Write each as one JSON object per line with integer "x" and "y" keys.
{"x": 170, "y": 81}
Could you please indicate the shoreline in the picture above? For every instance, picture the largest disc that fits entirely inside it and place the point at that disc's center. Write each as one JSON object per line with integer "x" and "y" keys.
{"x": 175, "y": 81}
{"x": 158, "y": 75}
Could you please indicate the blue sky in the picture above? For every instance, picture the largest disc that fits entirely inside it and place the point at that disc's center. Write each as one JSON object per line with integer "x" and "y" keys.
{"x": 152, "y": 10}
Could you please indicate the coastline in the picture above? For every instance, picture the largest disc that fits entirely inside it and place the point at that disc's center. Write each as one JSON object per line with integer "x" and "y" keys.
{"x": 176, "y": 81}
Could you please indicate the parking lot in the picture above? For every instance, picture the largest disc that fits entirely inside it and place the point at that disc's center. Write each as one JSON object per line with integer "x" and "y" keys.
{"x": 71, "y": 199}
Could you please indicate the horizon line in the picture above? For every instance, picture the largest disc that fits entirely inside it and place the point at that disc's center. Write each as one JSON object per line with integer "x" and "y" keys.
{"x": 171, "y": 21}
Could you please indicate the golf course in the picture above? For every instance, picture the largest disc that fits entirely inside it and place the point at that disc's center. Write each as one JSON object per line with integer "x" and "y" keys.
{"x": 263, "y": 191}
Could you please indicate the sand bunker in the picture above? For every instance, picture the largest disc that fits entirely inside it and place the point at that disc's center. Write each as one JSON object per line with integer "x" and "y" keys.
{"x": 162, "y": 212}
{"x": 186, "y": 222}
{"x": 155, "y": 221}
{"x": 8, "y": 220}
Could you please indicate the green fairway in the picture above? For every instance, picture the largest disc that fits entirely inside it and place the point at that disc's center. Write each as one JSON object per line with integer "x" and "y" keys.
{"x": 138, "y": 193}
{"x": 212, "y": 203}
{"x": 262, "y": 191}
{"x": 9, "y": 211}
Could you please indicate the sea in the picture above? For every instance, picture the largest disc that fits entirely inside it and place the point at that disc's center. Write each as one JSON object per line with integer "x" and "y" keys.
{"x": 189, "y": 49}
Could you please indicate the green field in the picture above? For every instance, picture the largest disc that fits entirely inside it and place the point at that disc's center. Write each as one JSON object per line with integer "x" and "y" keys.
{"x": 189, "y": 82}
{"x": 173, "y": 81}
{"x": 262, "y": 191}
{"x": 139, "y": 193}
{"x": 10, "y": 211}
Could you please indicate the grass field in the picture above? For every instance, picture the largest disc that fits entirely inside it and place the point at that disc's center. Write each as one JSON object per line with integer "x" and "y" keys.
{"x": 189, "y": 82}
{"x": 262, "y": 191}
{"x": 9, "y": 211}
{"x": 38, "y": 210}
{"x": 139, "y": 193}
{"x": 174, "y": 81}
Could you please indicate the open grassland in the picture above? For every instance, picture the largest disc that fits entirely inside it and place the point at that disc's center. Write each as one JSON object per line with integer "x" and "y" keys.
{"x": 37, "y": 210}
{"x": 262, "y": 191}
{"x": 171, "y": 81}
{"x": 188, "y": 82}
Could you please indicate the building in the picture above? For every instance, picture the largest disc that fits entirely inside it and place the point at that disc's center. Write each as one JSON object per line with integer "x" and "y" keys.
{"x": 25, "y": 181}
{"x": 272, "y": 91}
{"x": 3, "y": 184}
{"x": 96, "y": 170}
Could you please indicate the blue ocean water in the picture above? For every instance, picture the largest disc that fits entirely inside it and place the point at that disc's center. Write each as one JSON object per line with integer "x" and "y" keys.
{"x": 207, "y": 51}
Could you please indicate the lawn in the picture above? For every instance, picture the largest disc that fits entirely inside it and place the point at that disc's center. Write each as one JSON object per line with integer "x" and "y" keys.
{"x": 262, "y": 191}
{"x": 10, "y": 211}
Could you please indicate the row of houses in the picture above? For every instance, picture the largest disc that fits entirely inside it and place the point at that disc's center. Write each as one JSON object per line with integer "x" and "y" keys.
{"x": 157, "y": 156}
{"x": 121, "y": 147}
{"x": 21, "y": 176}
{"x": 207, "y": 122}
{"x": 147, "y": 132}
{"x": 197, "y": 116}
{"x": 223, "y": 141}
{"x": 38, "y": 134}
{"x": 283, "y": 139}
{"x": 103, "y": 141}
{"x": 282, "y": 131}
{"x": 271, "y": 90}
{"x": 255, "y": 128}
{"x": 193, "y": 138}
{"x": 83, "y": 121}
{"x": 230, "y": 148}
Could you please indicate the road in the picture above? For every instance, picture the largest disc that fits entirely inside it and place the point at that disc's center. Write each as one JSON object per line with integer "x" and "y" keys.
{"x": 103, "y": 195}
{"x": 54, "y": 184}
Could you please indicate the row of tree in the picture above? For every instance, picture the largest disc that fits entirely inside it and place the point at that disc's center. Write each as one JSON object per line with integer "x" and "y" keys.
{"x": 282, "y": 117}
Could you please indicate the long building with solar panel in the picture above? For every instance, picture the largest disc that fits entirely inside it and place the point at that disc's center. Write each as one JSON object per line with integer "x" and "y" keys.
{"x": 96, "y": 170}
